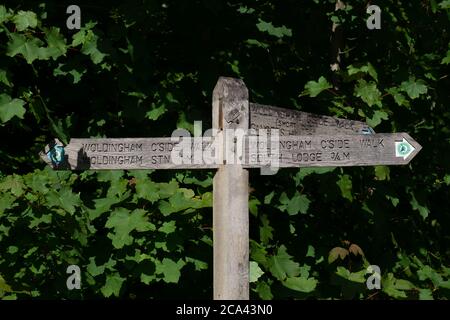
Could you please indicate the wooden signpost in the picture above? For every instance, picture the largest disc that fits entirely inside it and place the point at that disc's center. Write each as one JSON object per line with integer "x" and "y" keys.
{"x": 305, "y": 140}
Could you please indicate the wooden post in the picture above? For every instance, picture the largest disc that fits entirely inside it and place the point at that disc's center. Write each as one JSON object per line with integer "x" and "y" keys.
{"x": 230, "y": 198}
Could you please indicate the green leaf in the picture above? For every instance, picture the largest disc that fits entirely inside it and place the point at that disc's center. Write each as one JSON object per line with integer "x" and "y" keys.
{"x": 168, "y": 227}
{"x": 166, "y": 190}
{"x": 123, "y": 222}
{"x": 184, "y": 199}
{"x": 12, "y": 249}
{"x": 255, "y": 271}
{"x": 446, "y": 59}
{"x": 36, "y": 221}
{"x": 102, "y": 205}
{"x": 147, "y": 189}
{"x": 73, "y": 68}
{"x": 4, "y": 14}
{"x": 298, "y": 203}
{"x": 368, "y": 92}
{"x": 264, "y": 291}
{"x": 64, "y": 199}
{"x": 445, "y": 4}
{"x": 278, "y": 32}
{"x": 414, "y": 88}
{"x": 304, "y": 172}
{"x": 109, "y": 175}
{"x": 204, "y": 184}
{"x": 24, "y": 20}
{"x": 395, "y": 201}
{"x": 258, "y": 253}
{"x": 170, "y": 269}
{"x": 382, "y": 172}
{"x": 4, "y": 286}
{"x": 178, "y": 202}
{"x": 118, "y": 185}
{"x": 256, "y": 43}
{"x": 447, "y": 179}
{"x": 184, "y": 123}
{"x": 28, "y": 48}
{"x": 376, "y": 119}
{"x": 69, "y": 200}
{"x": 269, "y": 197}
{"x": 113, "y": 285}
{"x": 345, "y": 184}
{"x": 425, "y": 294}
{"x": 423, "y": 210}
{"x": 199, "y": 265}
{"x": 147, "y": 279}
{"x": 395, "y": 287}
{"x": 313, "y": 88}
{"x": 4, "y": 78}
{"x": 281, "y": 265}
{"x": 351, "y": 69}
{"x": 156, "y": 112}
{"x": 14, "y": 184}
{"x": 244, "y": 9}
{"x": 235, "y": 67}
{"x": 95, "y": 270}
{"x": 57, "y": 128}
{"x": 88, "y": 39}
{"x": 10, "y": 108}
{"x": 311, "y": 251}
{"x": 403, "y": 284}
{"x": 426, "y": 272}
{"x": 398, "y": 97}
{"x": 56, "y": 44}
{"x": 357, "y": 277}
{"x": 117, "y": 188}
{"x": 253, "y": 206}
{"x": 265, "y": 231}
{"x": 301, "y": 284}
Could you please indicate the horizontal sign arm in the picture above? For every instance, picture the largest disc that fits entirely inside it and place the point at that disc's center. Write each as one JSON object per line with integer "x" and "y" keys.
{"x": 252, "y": 152}
{"x": 293, "y": 122}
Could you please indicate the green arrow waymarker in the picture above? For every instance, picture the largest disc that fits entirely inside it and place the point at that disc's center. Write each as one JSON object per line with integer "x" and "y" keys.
{"x": 403, "y": 149}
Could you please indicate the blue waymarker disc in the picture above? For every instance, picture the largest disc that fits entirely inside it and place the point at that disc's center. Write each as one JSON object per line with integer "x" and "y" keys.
{"x": 56, "y": 155}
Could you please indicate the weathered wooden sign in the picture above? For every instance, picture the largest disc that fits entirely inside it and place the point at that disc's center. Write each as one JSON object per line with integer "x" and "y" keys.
{"x": 292, "y": 122}
{"x": 291, "y": 151}
{"x": 305, "y": 140}
{"x": 127, "y": 154}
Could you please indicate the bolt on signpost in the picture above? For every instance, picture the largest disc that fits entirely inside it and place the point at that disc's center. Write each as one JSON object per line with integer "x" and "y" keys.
{"x": 238, "y": 144}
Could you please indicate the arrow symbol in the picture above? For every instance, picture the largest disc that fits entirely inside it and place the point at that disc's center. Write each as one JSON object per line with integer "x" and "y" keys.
{"x": 403, "y": 149}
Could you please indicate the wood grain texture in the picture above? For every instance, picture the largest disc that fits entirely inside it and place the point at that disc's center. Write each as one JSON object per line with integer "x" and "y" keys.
{"x": 334, "y": 151}
{"x": 294, "y": 151}
{"x": 293, "y": 122}
{"x": 230, "y": 198}
{"x": 128, "y": 153}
